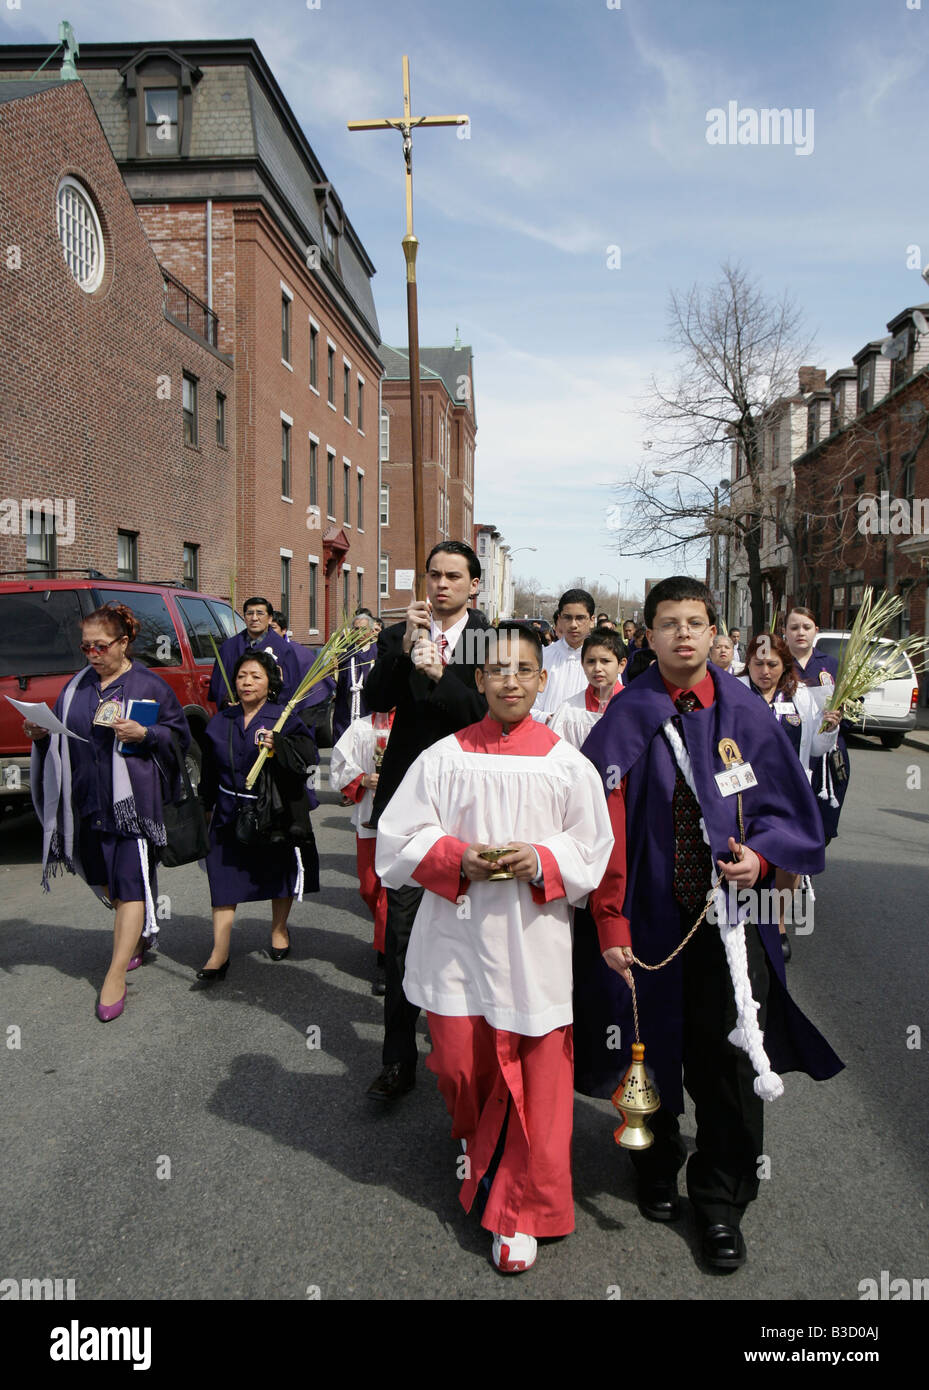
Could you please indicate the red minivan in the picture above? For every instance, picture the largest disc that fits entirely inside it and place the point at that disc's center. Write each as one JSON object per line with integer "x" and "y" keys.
{"x": 40, "y": 638}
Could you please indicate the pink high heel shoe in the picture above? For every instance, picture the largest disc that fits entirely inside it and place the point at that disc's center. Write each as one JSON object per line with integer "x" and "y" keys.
{"x": 107, "y": 1012}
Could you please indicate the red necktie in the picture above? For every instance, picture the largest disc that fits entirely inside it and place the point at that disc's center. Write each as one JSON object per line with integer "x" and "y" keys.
{"x": 442, "y": 645}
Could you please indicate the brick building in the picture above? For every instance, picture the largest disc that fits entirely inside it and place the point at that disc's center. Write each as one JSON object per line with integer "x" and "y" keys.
{"x": 94, "y": 360}
{"x": 238, "y": 208}
{"x": 449, "y": 428}
{"x": 863, "y": 484}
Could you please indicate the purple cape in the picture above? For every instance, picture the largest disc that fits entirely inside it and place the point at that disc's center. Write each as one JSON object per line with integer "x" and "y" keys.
{"x": 234, "y": 647}
{"x": 782, "y": 823}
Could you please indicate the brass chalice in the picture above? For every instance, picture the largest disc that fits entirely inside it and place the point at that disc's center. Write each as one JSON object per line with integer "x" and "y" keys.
{"x": 492, "y": 855}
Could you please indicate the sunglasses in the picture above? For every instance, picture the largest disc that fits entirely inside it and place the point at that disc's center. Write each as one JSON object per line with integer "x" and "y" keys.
{"x": 88, "y": 647}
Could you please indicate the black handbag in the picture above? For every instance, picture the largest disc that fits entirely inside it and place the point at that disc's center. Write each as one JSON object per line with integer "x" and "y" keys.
{"x": 247, "y": 830}
{"x": 187, "y": 838}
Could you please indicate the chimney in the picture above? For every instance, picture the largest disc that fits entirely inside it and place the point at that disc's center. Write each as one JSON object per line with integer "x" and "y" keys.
{"x": 811, "y": 378}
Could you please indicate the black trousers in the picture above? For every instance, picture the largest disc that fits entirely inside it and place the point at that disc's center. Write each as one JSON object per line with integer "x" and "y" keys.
{"x": 722, "y": 1175}
{"x": 399, "y": 1015}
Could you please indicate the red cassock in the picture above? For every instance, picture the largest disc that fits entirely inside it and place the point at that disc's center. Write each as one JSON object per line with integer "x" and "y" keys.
{"x": 491, "y": 961}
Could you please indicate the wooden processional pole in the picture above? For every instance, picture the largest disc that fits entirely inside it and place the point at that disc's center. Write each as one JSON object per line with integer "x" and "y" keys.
{"x": 405, "y": 125}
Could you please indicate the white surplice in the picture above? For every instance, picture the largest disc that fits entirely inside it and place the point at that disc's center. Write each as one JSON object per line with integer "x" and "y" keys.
{"x": 565, "y": 678}
{"x": 574, "y": 719}
{"x": 352, "y": 757}
{"x": 501, "y": 950}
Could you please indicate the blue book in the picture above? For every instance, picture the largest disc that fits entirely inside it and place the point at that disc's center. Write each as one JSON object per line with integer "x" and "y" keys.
{"x": 143, "y": 712}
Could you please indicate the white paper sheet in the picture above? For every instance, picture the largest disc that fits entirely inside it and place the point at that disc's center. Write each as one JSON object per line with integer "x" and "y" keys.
{"x": 42, "y": 716}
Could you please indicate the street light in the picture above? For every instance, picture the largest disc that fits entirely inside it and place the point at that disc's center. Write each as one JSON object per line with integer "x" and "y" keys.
{"x": 606, "y": 574}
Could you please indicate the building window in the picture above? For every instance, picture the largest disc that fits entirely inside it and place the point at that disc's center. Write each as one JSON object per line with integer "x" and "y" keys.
{"x": 191, "y": 567}
{"x": 161, "y": 123}
{"x": 41, "y": 546}
{"x": 384, "y": 576}
{"x": 361, "y": 409}
{"x": 285, "y": 586}
{"x": 385, "y": 437}
{"x": 346, "y": 589}
{"x": 361, "y": 504}
{"x": 359, "y": 588}
{"x": 285, "y": 458}
{"x": 220, "y": 418}
{"x": 285, "y": 327}
{"x": 330, "y": 485}
{"x": 385, "y": 504}
{"x": 80, "y": 234}
{"x": 127, "y": 555}
{"x": 864, "y": 386}
{"x": 347, "y": 493}
{"x": 314, "y": 356}
{"x": 314, "y": 596}
{"x": 191, "y": 430}
{"x": 347, "y": 392}
{"x": 330, "y": 377}
{"x": 314, "y": 471}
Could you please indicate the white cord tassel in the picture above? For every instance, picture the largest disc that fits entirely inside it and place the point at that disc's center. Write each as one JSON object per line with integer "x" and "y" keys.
{"x": 747, "y": 1035}
{"x": 150, "y": 930}
{"x": 808, "y": 885}
{"x": 298, "y": 890}
{"x": 357, "y": 685}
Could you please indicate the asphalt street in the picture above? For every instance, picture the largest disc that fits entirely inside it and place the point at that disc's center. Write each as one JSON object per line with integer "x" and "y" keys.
{"x": 218, "y": 1144}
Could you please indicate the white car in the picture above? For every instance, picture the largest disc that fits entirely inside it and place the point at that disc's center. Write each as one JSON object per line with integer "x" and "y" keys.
{"x": 890, "y": 710}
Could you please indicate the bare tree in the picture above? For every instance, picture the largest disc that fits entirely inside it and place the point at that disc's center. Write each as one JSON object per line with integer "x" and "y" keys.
{"x": 738, "y": 353}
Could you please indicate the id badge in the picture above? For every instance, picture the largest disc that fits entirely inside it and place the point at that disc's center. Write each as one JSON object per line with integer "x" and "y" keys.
{"x": 738, "y": 777}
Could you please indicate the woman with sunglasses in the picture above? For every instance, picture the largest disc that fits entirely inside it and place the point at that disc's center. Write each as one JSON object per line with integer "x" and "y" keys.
{"x": 99, "y": 795}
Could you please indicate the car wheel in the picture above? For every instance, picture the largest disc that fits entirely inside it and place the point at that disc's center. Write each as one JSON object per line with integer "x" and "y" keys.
{"x": 891, "y": 740}
{"x": 194, "y": 760}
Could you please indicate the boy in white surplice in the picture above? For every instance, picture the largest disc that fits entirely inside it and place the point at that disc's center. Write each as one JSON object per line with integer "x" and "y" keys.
{"x": 490, "y": 959}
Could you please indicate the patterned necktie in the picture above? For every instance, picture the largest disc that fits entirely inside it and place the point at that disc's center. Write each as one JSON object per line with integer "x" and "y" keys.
{"x": 442, "y": 644}
{"x": 690, "y": 851}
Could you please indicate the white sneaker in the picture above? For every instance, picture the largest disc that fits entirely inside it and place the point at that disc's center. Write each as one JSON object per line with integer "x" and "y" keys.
{"x": 514, "y": 1254}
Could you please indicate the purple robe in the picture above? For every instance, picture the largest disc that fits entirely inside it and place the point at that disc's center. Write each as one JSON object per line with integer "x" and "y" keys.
{"x": 235, "y": 647}
{"x": 342, "y": 714}
{"x": 238, "y": 873}
{"x": 782, "y": 823}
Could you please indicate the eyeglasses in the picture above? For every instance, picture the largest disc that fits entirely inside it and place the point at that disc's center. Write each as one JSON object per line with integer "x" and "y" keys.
{"x": 522, "y": 673}
{"x": 695, "y": 626}
{"x": 88, "y": 647}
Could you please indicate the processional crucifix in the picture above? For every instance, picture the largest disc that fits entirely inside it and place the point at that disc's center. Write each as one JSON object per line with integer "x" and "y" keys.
{"x": 406, "y": 124}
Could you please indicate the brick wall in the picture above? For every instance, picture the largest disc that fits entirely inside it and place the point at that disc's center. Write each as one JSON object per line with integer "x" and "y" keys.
{"x": 97, "y": 413}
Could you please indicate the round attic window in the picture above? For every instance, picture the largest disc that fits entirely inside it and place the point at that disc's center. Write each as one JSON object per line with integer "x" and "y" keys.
{"x": 80, "y": 234}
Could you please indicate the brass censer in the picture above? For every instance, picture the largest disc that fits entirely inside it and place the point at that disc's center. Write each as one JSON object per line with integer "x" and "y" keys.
{"x": 636, "y": 1097}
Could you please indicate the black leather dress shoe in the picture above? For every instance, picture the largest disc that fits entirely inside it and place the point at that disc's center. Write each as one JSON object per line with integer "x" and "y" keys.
{"x": 395, "y": 1080}
{"x": 723, "y": 1247}
{"x": 659, "y": 1201}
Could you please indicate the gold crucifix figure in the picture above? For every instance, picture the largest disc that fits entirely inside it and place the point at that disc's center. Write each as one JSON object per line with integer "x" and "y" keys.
{"x": 406, "y": 124}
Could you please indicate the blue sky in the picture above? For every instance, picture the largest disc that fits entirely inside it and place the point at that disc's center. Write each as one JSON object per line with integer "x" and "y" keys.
{"x": 588, "y": 133}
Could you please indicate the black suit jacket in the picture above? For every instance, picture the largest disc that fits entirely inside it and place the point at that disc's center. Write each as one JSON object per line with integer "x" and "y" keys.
{"x": 426, "y": 710}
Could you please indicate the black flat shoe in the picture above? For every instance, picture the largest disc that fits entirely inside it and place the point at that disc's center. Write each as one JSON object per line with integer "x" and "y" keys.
{"x": 395, "y": 1080}
{"x": 659, "y": 1201}
{"x": 208, "y": 976}
{"x": 278, "y": 954}
{"x": 785, "y": 947}
{"x": 723, "y": 1247}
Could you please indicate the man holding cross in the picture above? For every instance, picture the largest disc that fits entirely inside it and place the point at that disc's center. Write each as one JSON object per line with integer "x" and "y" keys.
{"x": 425, "y": 669}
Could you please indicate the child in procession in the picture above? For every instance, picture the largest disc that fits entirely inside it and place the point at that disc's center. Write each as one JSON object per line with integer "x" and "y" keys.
{"x": 490, "y": 958}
